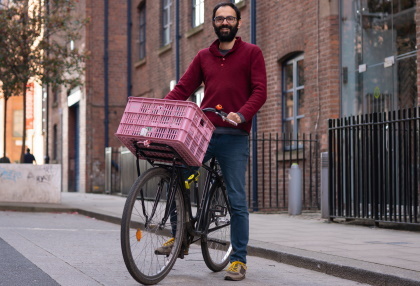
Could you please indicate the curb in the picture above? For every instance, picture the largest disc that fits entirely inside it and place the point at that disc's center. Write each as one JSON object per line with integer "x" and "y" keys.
{"x": 350, "y": 269}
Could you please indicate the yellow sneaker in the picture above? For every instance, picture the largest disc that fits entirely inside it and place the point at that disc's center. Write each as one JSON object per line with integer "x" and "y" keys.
{"x": 236, "y": 271}
{"x": 166, "y": 248}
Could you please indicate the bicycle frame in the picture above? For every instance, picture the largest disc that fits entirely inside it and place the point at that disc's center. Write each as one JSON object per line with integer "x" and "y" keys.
{"x": 195, "y": 224}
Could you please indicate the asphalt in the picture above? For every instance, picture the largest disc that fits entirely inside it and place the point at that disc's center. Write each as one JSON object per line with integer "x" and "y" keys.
{"x": 372, "y": 255}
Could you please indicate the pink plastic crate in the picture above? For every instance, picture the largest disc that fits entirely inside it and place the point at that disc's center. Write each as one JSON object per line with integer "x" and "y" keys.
{"x": 179, "y": 124}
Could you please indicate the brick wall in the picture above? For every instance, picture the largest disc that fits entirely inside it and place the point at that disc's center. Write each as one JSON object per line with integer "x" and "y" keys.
{"x": 283, "y": 28}
{"x": 95, "y": 84}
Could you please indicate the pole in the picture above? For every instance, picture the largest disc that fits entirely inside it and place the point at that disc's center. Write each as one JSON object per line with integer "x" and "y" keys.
{"x": 129, "y": 50}
{"x": 177, "y": 37}
{"x": 254, "y": 121}
{"x": 106, "y": 89}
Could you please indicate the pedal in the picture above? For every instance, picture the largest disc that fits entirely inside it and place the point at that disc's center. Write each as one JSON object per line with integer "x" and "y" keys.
{"x": 184, "y": 251}
{"x": 219, "y": 211}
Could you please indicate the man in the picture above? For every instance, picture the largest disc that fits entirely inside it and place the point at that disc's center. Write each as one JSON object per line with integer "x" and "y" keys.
{"x": 28, "y": 158}
{"x": 234, "y": 75}
{"x": 4, "y": 159}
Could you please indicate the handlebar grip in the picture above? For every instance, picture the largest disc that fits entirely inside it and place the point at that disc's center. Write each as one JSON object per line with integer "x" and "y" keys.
{"x": 230, "y": 121}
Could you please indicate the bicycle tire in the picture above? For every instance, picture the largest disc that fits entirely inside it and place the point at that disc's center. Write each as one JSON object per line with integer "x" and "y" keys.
{"x": 138, "y": 242}
{"x": 215, "y": 243}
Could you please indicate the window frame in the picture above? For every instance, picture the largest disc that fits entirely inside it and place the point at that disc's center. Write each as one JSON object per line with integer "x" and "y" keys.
{"x": 194, "y": 5}
{"x": 141, "y": 42}
{"x": 166, "y": 27}
{"x": 17, "y": 130}
{"x": 295, "y": 91}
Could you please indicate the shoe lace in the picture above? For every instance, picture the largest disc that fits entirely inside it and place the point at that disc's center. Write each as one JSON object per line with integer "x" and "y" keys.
{"x": 169, "y": 242}
{"x": 235, "y": 265}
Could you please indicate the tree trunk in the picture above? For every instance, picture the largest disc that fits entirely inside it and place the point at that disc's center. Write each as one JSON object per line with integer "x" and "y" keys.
{"x": 4, "y": 129}
{"x": 24, "y": 122}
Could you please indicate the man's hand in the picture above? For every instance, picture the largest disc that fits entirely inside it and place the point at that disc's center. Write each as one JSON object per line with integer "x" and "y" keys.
{"x": 234, "y": 117}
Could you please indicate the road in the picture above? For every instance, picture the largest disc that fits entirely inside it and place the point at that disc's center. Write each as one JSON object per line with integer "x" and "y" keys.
{"x": 71, "y": 249}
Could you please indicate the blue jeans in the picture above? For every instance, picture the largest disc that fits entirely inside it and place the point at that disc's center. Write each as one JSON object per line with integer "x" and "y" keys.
{"x": 232, "y": 153}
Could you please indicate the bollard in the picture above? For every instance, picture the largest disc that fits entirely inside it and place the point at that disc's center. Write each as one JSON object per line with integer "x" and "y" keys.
{"x": 295, "y": 190}
{"x": 325, "y": 209}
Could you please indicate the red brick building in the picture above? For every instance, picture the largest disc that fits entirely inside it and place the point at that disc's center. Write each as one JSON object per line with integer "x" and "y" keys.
{"x": 284, "y": 30}
{"x": 324, "y": 59}
{"x": 82, "y": 121}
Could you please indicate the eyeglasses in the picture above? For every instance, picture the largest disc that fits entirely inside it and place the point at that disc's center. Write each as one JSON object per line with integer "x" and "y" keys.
{"x": 220, "y": 19}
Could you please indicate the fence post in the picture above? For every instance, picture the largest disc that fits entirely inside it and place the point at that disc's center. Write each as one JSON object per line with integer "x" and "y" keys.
{"x": 325, "y": 206}
{"x": 295, "y": 190}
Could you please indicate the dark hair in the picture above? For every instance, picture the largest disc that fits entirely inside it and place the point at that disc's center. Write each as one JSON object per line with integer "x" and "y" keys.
{"x": 233, "y": 6}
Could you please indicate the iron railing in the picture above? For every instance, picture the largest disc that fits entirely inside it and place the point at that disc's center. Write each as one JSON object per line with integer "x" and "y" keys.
{"x": 374, "y": 167}
{"x": 276, "y": 153}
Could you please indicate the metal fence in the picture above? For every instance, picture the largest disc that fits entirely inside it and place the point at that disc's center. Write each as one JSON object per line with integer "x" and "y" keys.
{"x": 268, "y": 191}
{"x": 268, "y": 188}
{"x": 374, "y": 167}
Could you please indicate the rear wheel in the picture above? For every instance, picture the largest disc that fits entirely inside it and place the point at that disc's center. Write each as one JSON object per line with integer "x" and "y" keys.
{"x": 142, "y": 231}
{"x": 215, "y": 244}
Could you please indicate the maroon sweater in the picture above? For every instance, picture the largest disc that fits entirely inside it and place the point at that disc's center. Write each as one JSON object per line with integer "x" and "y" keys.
{"x": 237, "y": 81}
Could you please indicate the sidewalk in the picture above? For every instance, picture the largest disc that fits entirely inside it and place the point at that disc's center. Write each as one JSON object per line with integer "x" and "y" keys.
{"x": 370, "y": 255}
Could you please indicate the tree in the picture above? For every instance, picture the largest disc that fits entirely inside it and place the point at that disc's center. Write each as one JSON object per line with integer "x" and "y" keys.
{"x": 37, "y": 38}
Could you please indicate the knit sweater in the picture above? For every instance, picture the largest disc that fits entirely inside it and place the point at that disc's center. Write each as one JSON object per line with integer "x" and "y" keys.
{"x": 237, "y": 81}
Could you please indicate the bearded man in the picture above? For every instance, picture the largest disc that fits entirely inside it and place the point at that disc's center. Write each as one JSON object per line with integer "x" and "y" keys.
{"x": 234, "y": 75}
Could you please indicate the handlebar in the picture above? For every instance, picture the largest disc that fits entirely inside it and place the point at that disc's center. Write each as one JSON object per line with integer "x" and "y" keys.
{"x": 221, "y": 113}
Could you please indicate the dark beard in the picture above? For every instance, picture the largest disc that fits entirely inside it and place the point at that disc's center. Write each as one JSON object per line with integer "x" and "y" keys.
{"x": 226, "y": 37}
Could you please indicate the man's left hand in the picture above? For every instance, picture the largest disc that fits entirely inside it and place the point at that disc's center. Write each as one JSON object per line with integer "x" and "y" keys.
{"x": 234, "y": 117}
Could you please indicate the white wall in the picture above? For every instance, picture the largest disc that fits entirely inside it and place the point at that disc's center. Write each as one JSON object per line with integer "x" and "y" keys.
{"x": 30, "y": 183}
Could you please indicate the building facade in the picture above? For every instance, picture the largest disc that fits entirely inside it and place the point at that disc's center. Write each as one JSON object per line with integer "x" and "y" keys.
{"x": 324, "y": 59}
{"x": 82, "y": 120}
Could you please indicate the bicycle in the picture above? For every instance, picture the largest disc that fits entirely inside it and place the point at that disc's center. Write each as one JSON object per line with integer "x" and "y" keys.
{"x": 158, "y": 207}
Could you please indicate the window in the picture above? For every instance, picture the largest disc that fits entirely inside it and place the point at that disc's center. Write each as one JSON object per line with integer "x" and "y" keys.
{"x": 198, "y": 95}
{"x": 17, "y": 123}
{"x": 56, "y": 93}
{"x": 378, "y": 56}
{"x": 141, "y": 14}
{"x": 197, "y": 13}
{"x": 293, "y": 95}
{"x": 166, "y": 22}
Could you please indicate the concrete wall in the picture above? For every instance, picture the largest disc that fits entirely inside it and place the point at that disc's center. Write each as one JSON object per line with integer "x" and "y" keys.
{"x": 30, "y": 183}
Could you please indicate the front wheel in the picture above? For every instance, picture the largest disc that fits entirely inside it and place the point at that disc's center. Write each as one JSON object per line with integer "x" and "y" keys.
{"x": 142, "y": 228}
{"x": 215, "y": 244}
